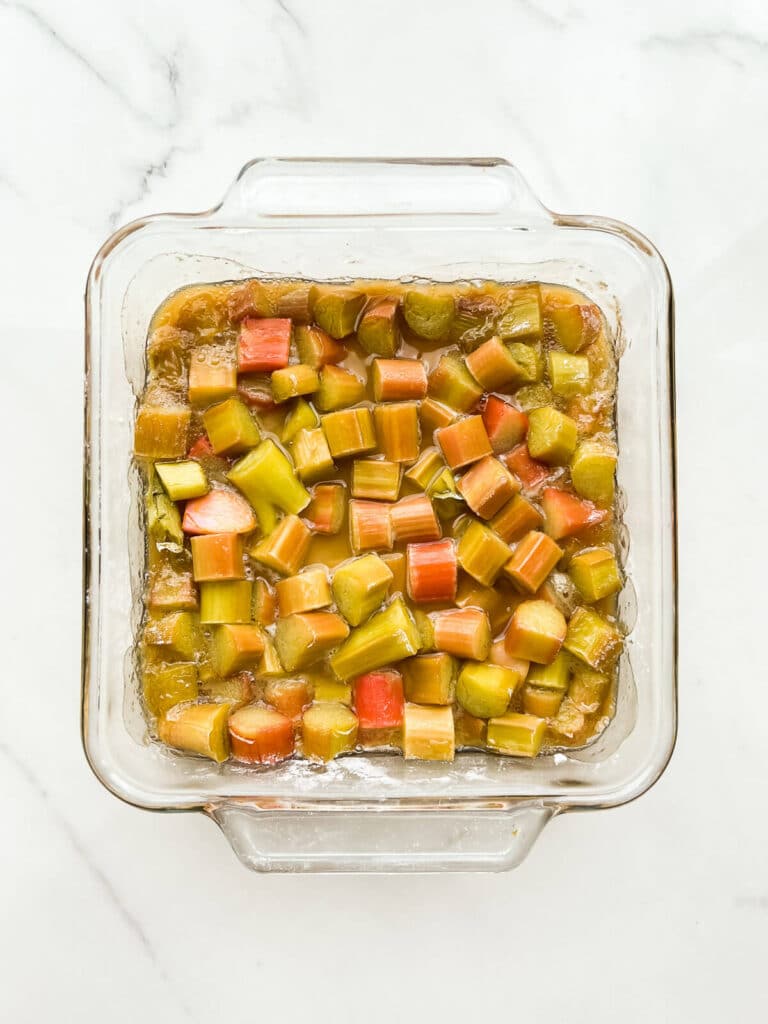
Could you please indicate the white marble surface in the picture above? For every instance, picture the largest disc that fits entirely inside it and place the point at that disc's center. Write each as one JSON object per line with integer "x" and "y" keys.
{"x": 653, "y": 113}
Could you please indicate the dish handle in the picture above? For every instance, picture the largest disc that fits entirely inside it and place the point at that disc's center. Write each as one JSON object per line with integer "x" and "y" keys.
{"x": 270, "y": 189}
{"x": 349, "y": 839}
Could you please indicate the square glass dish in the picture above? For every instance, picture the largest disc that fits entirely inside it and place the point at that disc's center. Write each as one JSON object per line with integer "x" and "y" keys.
{"x": 439, "y": 221}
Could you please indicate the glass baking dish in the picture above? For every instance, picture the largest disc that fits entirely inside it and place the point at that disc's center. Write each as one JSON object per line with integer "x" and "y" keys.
{"x": 440, "y": 220}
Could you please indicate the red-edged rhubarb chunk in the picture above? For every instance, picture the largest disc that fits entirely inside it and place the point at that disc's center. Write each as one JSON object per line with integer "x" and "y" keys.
{"x": 432, "y": 571}
{"x": 218, "y": 512}
{"x": 201, "y": 449}
{"x": 529, "y": 472}
{"x": 565, "y": 514}
{"x": 379, "y": 700}
{"x": 505, "y": 425}
{"x": 264, "y": 344}
{"x": 260, "y": 735}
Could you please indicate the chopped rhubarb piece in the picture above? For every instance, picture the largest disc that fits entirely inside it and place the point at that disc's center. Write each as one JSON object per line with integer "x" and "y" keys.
{"x": 288, "y": 696}
{"x": 217, "y": 556}
{"x": 432, "y": 571}
{"x": 413, "y": 519}
{"x": 464, "y": 441}
{"x": 529, "y": 472}
{"x": 428, "y": 733}
{"x": 201, "y": 449}
{"x": 264, "y": 344}
{"x": 328, "y": 730}
{"x": 532, "y": 561}
{"x": 515, "y": 734}
{"x": 325, "y": 512}
{"x": 565, "y": 514}
{"x": 379, "y": 700}
{"x": 197, "y": 728}
{"x": 536, "y": 632}
{"x": 463, "y": 632}
{"x": 260, "y": 735}
{"x": 218, "y": 511}
{"x": 487, "y": 486}
{"x": 505, "y": 425}
{"x": 378, "y": 331}
{"x": 397, "y": 380}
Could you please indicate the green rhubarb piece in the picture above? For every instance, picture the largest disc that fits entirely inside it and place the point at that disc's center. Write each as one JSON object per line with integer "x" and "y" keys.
{"x": 445, "y": 495}
{"x": 293, "y": 381}
{"x": 338, "y": 388}
{"x": 301, "y": 417}
{"x": 230, "y": 427}
{"x": 595, "y": 573}
{"x": 575, "y": 326}
{"x": 588, "y": 688}
{"x": 328, "y": 730}
{"x": 429, "y": 314}
{"x": 337, "y": 311}
{"x": 225, "y": 601}
{"x": 266, "y": 477}
{"x": 482, "y": 553}
{"x": 529, "y": 361}
{"x": 552, "y": 436}
{"x": 377, "y": 331}
{"x": 453, "y": 385}
{"x": 518, "y": 735}
{"x": 163, "y": 519}
{"x": 349, "y": 432}
{"x": 182, "y": 480}
{"x": 592, "y": 639}
{"x": 176, "y": 634}
{"x": 424, "y": 628}
{"x": 593, "y": 469}
{"x": 425, "y": 468}
{"x": 521, "y": 320}
{"x": 304, "y": 639}
{"x": 311, "y": 454}
{"x": 359, "y": 587}
{"x": 534, "y": 396}
{"x": 236, "y": 647}
{"x": 388, "y": 636}
{"x": 474, "y": 322}
{"x": 166, "y": 686}
{"x": 485, "y": 690}
{"x": 430, "y": 678}
{"x": 568, "y": 374}
{"x": 553, "y": 676}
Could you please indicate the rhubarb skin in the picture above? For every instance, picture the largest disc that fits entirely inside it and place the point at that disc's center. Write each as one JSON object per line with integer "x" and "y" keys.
{"x": 302, "y": 640}
{"x": 575, "y": 326}
{"x": 306, "y": 592}
{"x": 566, "y": 515}
{"x": 536, "y": 632}
{"x": 462, "y": 632}
{"x": 430, "y": 678}
{"x": 397, "y": 431}
{"x": 432, "y": 571}
{"x": 593, "y": 469}
{"x": 516, "y": 518}
{"x": 198, "y": 729}
{"x": 378, "y": 331}
{"x": 210, "y": 381}
{"x": 429, "y": 314}
{"x": 532, "y": 561}
{"x": 325, "y": 512}
{"x": 370, "y": 525}
{"x": 592, "y": 639}
{"x": 398, "y": 380}
{"x": 463, "y": 442}
{"x": 217, "y": 556}
{"x": 552, "y": 436}
{"x": 260, "y": 735}
{"x": 360, "y": 585}
{"x": 487, "y": 486}
{"x": 529, "y": 472}
{"x": 428, "y": 733}
{"x": 337, "y": 311}
{"x": 288, "y": 696}
{"x": 285, "y": 549}
{"x": 505, "y": 425}
{"x": 264, "y": 344}
{"x": 379, "y": 701}
{"x": 413, "y": 519}
{"x": 230, "y": 427}
{"x": 541, "y": 703}
{"x": 225, "y": 601}
{"x": 236, "y": 647}
{"x": 318, "y": 349}
{"x": 328, "y": 730}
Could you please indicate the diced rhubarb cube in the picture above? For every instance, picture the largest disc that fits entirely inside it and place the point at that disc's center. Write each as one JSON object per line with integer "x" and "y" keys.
{"x": 264, "y": 344}
{"x": 505, "y": 425}
{"x": 565, "y": 514}
{"x": 379, "y": 700}
{"x": 529, "y": 472}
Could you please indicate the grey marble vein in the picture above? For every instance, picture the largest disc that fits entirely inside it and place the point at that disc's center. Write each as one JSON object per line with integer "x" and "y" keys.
{"x": 64, "y": 826}
{"x": 152, "y": 170}
{"x": 292, "y": 16}
{"x": 732, "y": 47}
{"x": 36, "y": 19}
